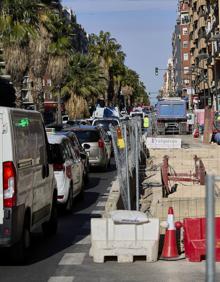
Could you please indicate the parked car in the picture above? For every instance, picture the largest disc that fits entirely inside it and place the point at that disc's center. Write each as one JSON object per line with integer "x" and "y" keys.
{"x": 96, "y": 143}
{"x": 68, "y": 170}
{"x": 28, "y": 190}
{"x": 79, "y": 151}
{"x": 105, "y": 123}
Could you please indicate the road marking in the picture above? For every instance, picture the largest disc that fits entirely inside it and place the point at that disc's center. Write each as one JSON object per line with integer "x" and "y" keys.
{"x": 61, "y": 279}
{"x": 82, "y": 240}
{"x": 72, "y": 259}
{"x": 104, "y": 195}
{"x": 101, "y": 204}
{"x": 99, "y": 212}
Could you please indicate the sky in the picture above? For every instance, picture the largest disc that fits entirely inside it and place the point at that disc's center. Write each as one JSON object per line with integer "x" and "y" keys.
{"x": 143, "y": 27}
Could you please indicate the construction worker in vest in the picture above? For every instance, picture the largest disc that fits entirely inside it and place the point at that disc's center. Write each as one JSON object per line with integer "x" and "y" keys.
{"x": 146, "y": 123}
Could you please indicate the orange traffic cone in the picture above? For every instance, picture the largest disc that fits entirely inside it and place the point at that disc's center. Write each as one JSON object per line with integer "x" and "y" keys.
{"x": 170, "y": 247}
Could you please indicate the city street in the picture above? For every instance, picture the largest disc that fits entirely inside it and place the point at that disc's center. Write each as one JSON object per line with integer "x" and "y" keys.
{"x": 65, "y": 257}
{"x": 48, "y": 257}
{"x": 109, "y": 141}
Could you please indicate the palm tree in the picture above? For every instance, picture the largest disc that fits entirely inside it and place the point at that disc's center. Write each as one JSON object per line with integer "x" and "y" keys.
{"x": 39, "y": 55}
{"x": 116, "y": 73}
{"x": 18, "y": 24}
{"x": 85, "y": 82}
{"x": 60, "y": 50}
{"x": 104, "y": 49}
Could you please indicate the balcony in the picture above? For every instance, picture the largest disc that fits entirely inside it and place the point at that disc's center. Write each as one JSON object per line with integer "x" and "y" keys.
{"x": 192, "y": 60}
{"x": 201, "y": 3}
{"x": 201, "y": 22}
{"x": 216, "y": 50}
{"x": 195, "y": 35}
{"x": 195, "y": 16}
{"x": 202, "y": 44}
{"x": 196, "y": 52}
{"x": 192, "y": 45}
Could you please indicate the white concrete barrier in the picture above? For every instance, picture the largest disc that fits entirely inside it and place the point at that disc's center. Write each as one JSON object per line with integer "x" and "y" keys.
{"x": 125, "y": 241}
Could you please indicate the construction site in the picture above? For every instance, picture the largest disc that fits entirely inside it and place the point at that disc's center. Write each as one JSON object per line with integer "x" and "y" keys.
{"x": 171, "y": 179}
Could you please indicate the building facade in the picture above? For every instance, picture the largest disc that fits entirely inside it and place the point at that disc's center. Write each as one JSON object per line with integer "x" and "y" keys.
{"x": 168, "y": 89}
{"x": 181, "y": 51}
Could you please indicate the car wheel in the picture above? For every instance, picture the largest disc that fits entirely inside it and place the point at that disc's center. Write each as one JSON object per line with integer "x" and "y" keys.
{"x": 69, "y": 204}
{"x": 19, "y": 251}
{"x": 50, "y": 227}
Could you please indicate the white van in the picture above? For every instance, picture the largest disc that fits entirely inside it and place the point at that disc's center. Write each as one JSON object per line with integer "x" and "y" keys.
{"x": 28, "y": 192}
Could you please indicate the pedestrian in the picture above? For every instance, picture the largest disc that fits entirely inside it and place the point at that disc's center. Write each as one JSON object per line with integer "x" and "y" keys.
{"x": 146, "y": 123}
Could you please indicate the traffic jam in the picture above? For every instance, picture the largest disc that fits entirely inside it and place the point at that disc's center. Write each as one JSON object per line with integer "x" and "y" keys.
{"x": 46, "y": 168}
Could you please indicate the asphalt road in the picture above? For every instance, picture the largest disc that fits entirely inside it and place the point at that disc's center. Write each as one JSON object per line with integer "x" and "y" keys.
{"x": 65, "y": 257}
{"x": 46, "y": 254}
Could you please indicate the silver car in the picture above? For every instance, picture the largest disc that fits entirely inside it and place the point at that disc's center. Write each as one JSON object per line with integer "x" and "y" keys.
{"x": 96, "y": 143}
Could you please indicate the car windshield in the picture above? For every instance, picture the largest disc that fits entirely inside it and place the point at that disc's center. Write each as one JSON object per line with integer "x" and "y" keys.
{"x": 106, "y": 123}
{"x": 87, "y": 136}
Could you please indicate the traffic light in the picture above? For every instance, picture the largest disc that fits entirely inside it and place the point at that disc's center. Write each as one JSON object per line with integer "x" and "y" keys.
{"x": 156, "y": 71}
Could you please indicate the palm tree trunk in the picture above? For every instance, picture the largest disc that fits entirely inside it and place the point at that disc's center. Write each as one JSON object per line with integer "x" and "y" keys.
{"x": 18, "y": 100}
{"x": 39, "y": 94}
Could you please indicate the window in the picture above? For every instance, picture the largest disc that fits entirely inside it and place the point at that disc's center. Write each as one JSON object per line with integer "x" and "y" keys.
{"x": 186, "y": 70}
{"x": 186, "y": 81}
{"x": 185, "y": 56}
{"x": 185, "y": 44}
{"x": 185, "y": 18}
{"x": 185, "y": 31}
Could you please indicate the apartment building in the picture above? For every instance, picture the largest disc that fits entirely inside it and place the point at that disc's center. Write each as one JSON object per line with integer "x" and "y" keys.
{"x": 176, "y": 46}
{"x": 168, "y": 89}
{"x": 213, "y": 48}
{"x": 181, "y": 51}
{"x": 201, "y": 75}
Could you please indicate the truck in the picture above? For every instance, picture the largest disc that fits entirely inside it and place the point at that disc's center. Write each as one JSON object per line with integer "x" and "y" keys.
{"x": 171, "y": 116}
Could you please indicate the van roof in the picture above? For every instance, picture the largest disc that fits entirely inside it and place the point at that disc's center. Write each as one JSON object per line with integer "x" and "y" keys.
{"x": 6, "y": 109}
{"x": 55, "y": 138}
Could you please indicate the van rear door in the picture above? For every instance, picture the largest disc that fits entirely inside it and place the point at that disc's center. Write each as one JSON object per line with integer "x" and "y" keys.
{"x": 1, "y": 180}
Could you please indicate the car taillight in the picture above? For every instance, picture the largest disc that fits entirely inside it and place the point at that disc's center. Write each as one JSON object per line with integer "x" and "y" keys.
{"x": 9, "y": 184}
{"x": 101, "y": 143}
{"x": 58, "y": 167}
